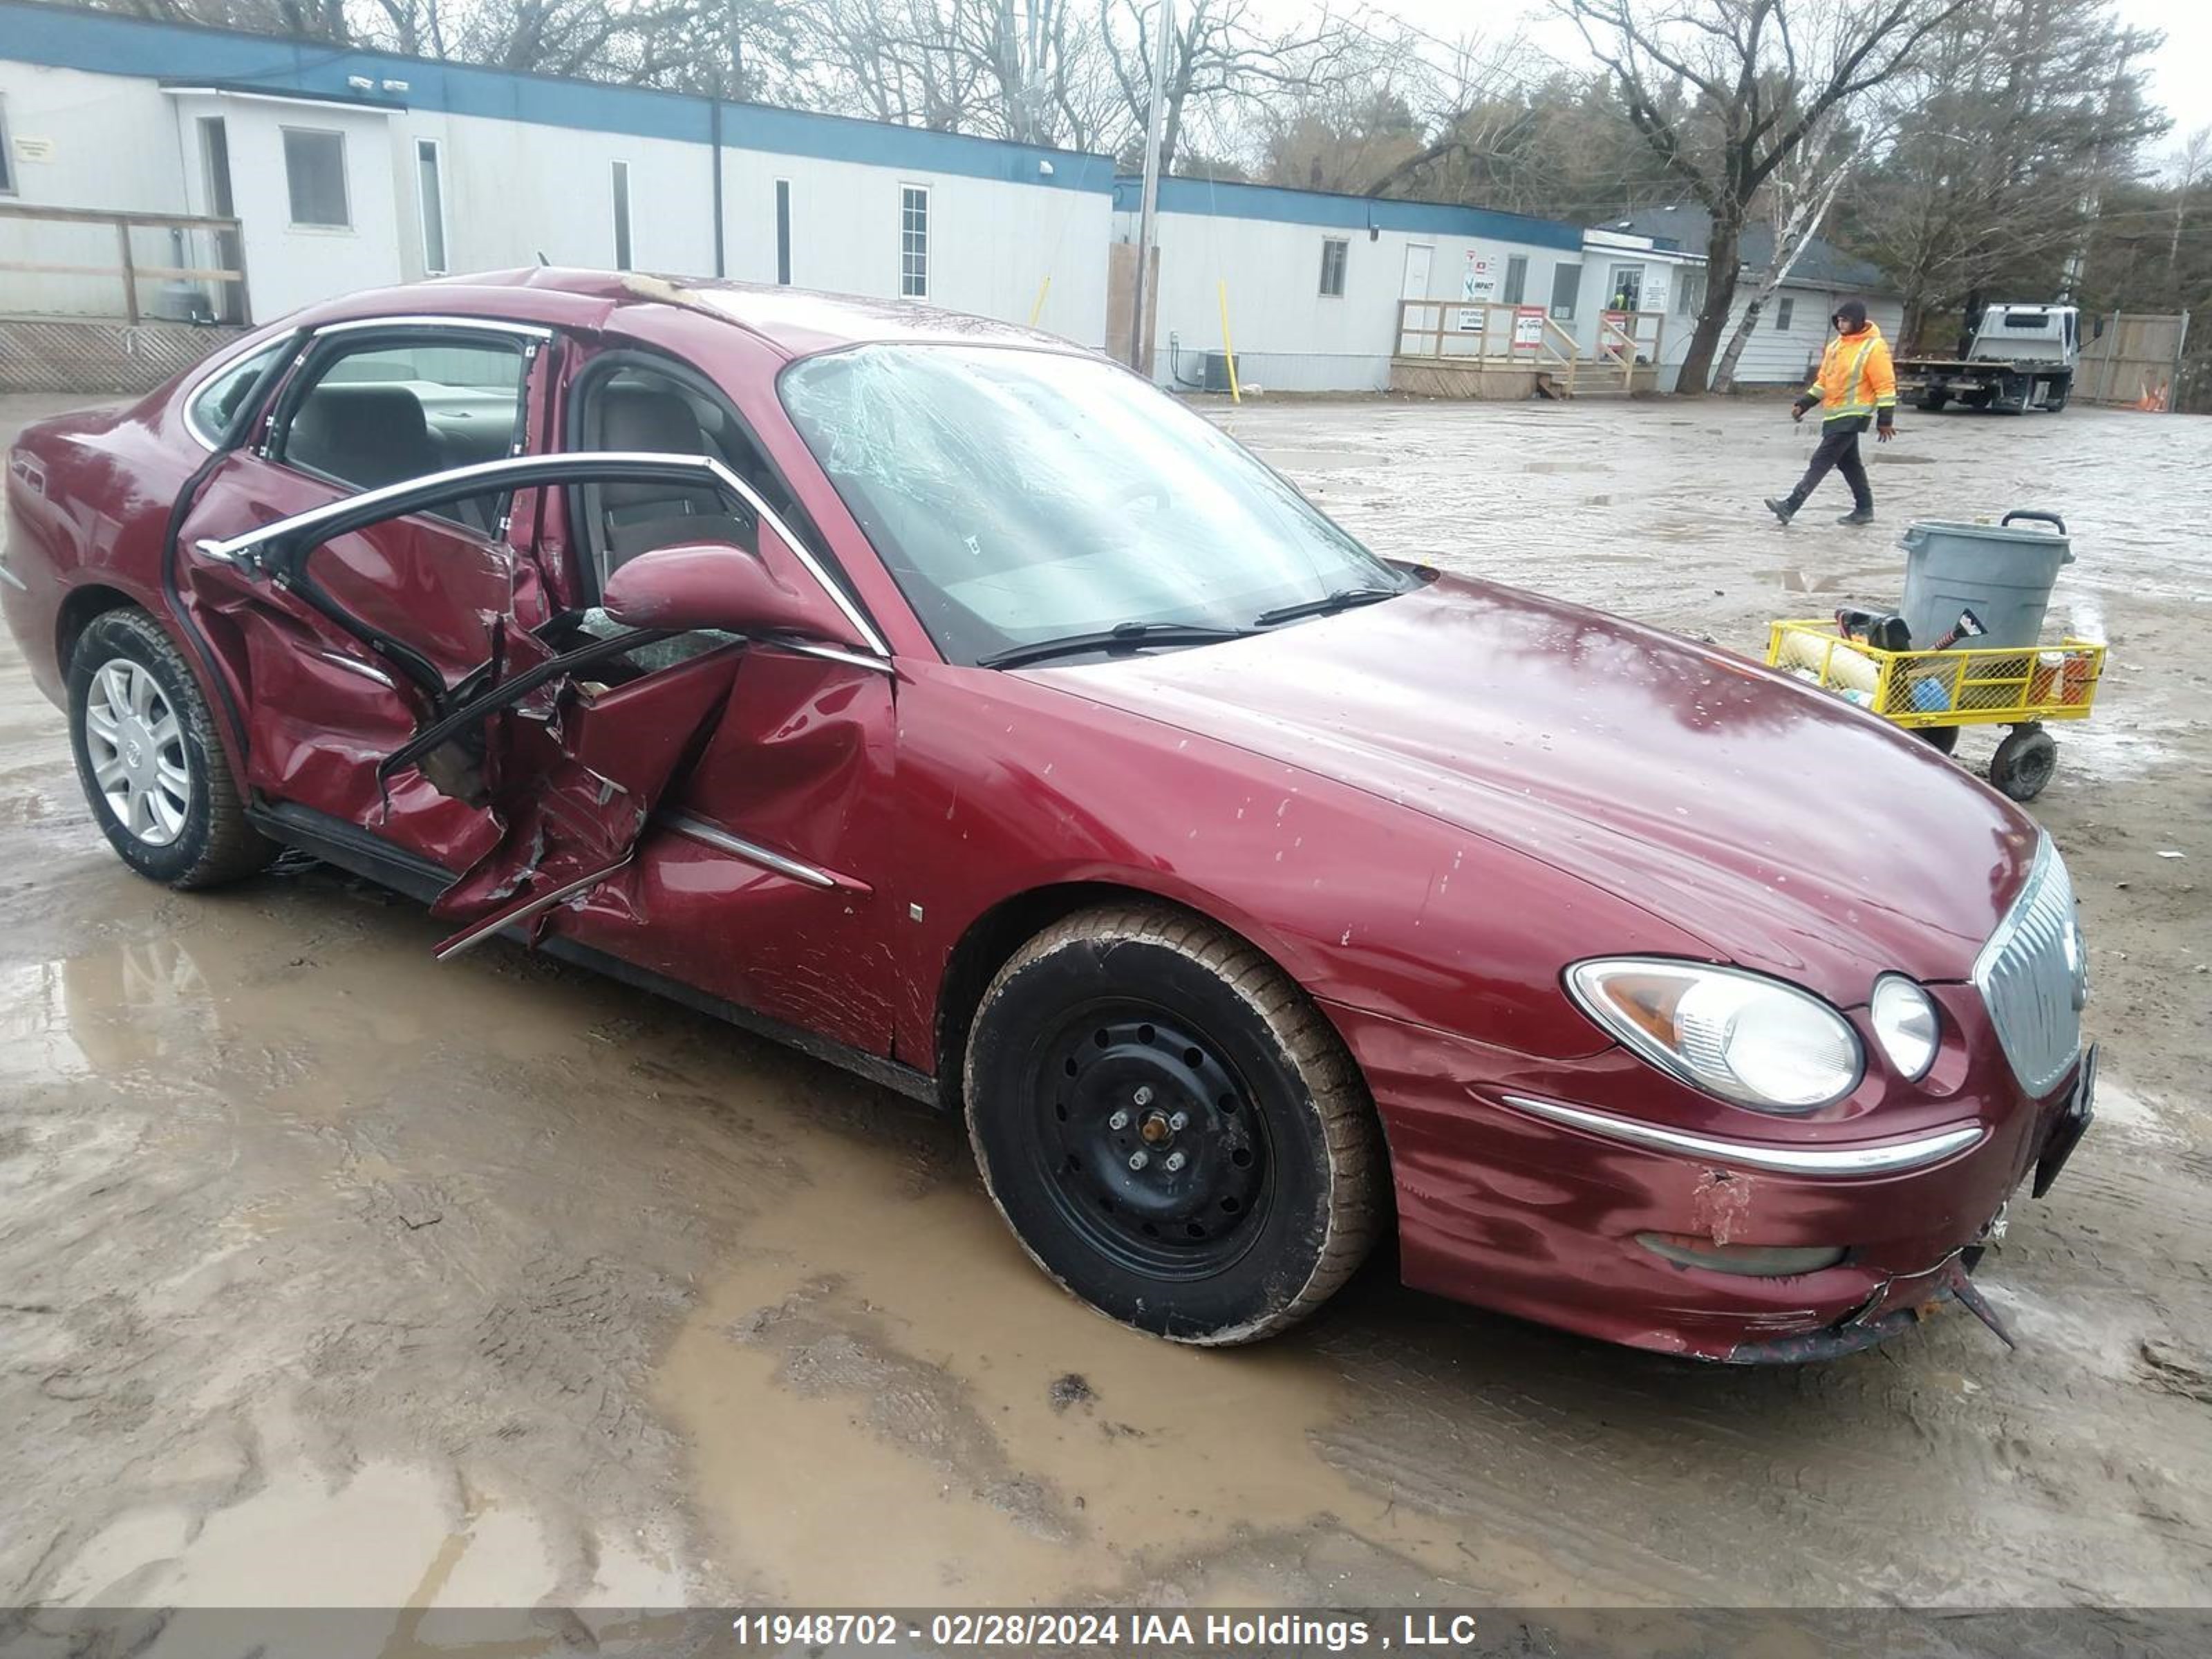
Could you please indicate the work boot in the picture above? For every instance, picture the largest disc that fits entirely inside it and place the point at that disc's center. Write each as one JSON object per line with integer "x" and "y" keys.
{"x": 1782, "y": 507}
{"x": 1858, "y": 516}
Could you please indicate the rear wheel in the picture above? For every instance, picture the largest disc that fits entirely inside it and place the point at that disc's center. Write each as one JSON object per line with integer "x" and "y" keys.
{"x": 1941, "y": 738}
{"x": 1934, "y": 402}
{"x": 152, "y": 768}
{"x": 1172, "y": 1130}
{"x": 2024, "y": 763}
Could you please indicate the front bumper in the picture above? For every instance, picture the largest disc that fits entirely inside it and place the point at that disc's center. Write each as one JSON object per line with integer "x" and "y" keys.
{"x": 1535, "y": 1213}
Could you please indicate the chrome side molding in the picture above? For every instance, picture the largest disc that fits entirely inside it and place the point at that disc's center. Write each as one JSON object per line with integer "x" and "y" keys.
{"x": 1887, "y": 1158}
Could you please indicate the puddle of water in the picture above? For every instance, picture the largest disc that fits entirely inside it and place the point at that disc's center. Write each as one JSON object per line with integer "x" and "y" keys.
{"x": 826, "y": 1418}
{"x": 385, "y": 1534}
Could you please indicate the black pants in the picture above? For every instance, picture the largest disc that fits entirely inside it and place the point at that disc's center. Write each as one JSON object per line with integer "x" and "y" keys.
{"x": 1839, "y": 450}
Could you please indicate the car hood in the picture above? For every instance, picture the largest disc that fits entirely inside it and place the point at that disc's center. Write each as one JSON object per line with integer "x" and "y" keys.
{"x": 1786, "y": 830}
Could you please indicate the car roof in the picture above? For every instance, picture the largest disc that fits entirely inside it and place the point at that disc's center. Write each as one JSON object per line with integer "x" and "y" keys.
{"x": 797, "y": 321}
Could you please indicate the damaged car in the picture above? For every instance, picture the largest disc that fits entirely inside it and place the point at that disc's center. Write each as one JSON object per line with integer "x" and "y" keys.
{"x": 943, "y": 699}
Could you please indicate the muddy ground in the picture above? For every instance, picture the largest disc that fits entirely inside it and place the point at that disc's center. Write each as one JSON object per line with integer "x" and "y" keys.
{"x": 330, "y": 1275}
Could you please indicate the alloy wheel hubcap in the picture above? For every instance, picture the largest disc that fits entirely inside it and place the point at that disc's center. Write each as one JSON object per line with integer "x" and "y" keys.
{"x": 137, "y": 747}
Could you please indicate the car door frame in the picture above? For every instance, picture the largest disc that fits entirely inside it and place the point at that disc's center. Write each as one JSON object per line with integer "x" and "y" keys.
{"x": 252, "y": 432}
{"x": 271, "y": 550}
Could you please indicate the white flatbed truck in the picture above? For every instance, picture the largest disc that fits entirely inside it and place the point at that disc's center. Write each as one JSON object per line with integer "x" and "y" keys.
{"x": 2022, "y": 358}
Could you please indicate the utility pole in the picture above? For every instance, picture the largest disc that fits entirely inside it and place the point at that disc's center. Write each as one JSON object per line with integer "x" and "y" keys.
{"x": 1148, "y": 210}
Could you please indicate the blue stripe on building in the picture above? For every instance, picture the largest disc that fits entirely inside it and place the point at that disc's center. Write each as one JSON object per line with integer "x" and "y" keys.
{"x": 102, "y": 43}
{"x": 1204, "y": 197}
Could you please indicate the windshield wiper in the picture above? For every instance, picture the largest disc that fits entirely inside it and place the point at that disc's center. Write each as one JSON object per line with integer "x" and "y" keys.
{"x": 1343, "y": 599}
{"x": 1121, "y": 636}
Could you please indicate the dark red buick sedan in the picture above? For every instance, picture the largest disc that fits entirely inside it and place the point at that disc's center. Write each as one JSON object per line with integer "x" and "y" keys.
{"x": 944, "y": 700}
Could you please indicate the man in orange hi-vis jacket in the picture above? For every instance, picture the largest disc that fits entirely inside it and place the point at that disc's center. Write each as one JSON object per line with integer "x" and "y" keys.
{"x": 1857, "y": 382}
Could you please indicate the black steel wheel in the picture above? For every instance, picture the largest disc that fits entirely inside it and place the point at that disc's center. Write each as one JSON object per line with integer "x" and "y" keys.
{"x": 1172, "y": 1129}
{"x": 2024, "y": 763}
{"x": 1152, "y": 1148}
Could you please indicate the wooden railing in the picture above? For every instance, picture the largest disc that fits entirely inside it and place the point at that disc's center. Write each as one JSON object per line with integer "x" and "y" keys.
{"x": 1486, "y": 333}
{"x": 1625, "y": 339}
{"x": 129, "y": 270}
{"x": 1496, "y": 336}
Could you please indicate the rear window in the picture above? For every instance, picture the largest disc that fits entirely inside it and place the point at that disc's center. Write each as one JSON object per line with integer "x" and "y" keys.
{"x": 2038, "y": 321}
{"x": 217, "y": 403}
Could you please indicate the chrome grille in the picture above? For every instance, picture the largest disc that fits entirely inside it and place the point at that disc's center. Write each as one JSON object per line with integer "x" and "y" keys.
{"x": 2033, "y": 976}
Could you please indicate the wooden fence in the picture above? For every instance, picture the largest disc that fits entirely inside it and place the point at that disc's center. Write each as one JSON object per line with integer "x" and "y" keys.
{"x": 228, "y": 276}
{"x": 2136, "y": 361}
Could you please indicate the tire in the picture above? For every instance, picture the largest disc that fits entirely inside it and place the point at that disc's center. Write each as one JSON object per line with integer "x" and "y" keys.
{"x": 1941, "y": 738}
{"x": 1934, "y": 402}
{"x": 1980, "y": 397}
{"x": 180, "y": 820}
{"x": 2055, "y": 399}
{"x": 2024, "y": 763}
{"x": 1174, "y": 1133}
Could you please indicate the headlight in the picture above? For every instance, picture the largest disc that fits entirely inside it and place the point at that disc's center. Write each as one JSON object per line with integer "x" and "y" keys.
{"x": 1749, "y": 1039}
{"x": 1905, "y": 1024}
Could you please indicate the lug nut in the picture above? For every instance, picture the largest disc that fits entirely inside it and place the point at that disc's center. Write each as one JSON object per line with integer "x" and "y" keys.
{"x": 1179, "y": 1120}
{"x": 1175, "y": 1161}
{"x": 1139, "y": 1158}
{"x": 1118, "y": 1120}
{"x": 1143, "y": 1094}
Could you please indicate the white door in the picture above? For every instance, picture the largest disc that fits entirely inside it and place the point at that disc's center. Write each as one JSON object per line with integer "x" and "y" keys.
{"x": 1416, "y": 285}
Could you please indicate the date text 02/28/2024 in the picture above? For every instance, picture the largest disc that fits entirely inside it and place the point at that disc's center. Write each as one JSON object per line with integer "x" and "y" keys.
{"x": 1020, "y": 1630}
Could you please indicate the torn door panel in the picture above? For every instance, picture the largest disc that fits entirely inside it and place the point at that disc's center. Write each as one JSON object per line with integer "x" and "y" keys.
{"x": 751, "y": 875}
{"x": 571, "y": 770}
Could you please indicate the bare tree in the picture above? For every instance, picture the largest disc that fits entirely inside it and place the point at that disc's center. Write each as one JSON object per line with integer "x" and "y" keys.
{"x": 2190, "y": 163}
{"x": 1725, "y": 91}
{"x": 1799, "y": 197}
{"x": 2014, "y": 120}
{"x": 1219, "y": 59}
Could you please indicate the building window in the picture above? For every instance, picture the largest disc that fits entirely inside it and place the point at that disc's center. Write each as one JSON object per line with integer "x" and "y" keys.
{"x": 783, "y": 231}
{"x": 1333, "y": 251}
{"x": 1690, "y": 293}
{"x": 1627, "y": 288}
{"x": 430, "y": 199}
{"x": 315, "y": 175}
{"x": 1566, "y": 284}
{"x": 7, "y": 156}
{"x": 914, "y": 241}
{"x": 620, "y": 176}
{"x": 1782, "y": 310}
{"x": 1516, "y": 280}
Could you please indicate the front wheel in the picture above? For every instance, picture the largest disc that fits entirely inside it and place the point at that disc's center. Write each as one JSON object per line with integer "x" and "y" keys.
{"x": 153, "y": 769}
{"x": 1172, "y": 1130}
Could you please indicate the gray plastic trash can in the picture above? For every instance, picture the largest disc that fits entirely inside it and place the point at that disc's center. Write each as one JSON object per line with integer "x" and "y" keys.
{"x": 2003, "y": 575}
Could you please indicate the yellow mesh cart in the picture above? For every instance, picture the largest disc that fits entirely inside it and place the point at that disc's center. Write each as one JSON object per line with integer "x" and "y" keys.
{"x": 1934, "y": 693}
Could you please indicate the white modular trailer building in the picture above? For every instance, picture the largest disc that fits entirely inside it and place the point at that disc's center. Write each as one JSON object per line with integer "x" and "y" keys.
{"x": 1313, "y": 279}
{"x": 349, "y": 169}
{"x": 1655, "y": 260}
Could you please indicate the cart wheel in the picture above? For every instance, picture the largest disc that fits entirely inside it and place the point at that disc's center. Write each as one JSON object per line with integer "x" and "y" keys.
{"x": 2024, "y": 763}
{"x": 1941, "y": 738}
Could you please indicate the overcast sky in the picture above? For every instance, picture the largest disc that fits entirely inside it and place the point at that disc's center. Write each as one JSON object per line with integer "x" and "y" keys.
{"x": 2181, "y": 76}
